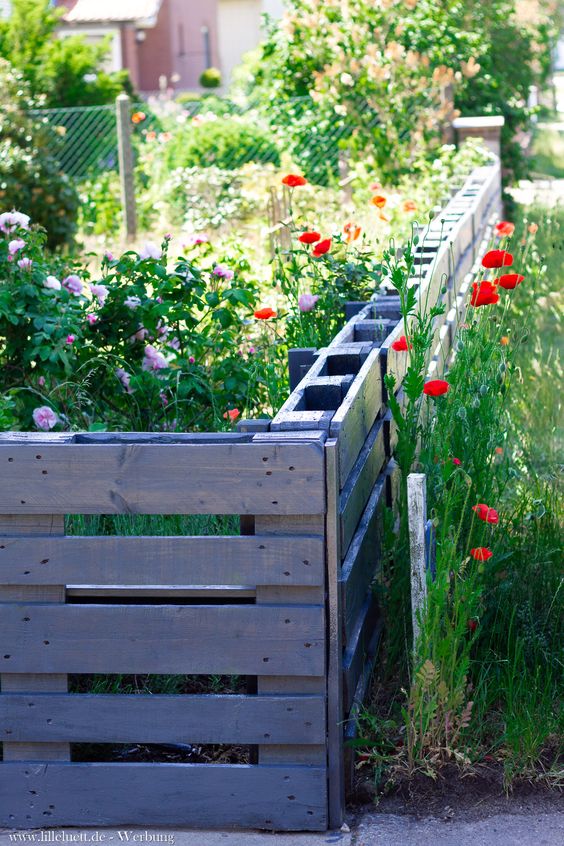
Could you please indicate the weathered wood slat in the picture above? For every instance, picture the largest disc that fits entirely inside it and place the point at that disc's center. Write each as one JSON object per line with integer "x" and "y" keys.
{"x": 113, "y": 718}
{"x": 227, "y": 639}
{"x": 357, "y": 413}
{"x": 243, "y": 478}
{"x": 32, "y": 525}
{"x": 360, "y": 483}
{"x": 245, "y": 560}
{"x": 36, "y": 795}
{"x": 362, "y": 560}
{"x": 360, "y": 649}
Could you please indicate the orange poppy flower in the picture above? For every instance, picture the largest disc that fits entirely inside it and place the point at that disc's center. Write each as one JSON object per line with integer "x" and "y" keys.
{"x": 379, "y": 201}
{"x": 232, "y": 414}
{"x": 352, "y": 231}
{"x": 292, "y": 180}
{"x": 138, "y": 117}
{"x": 265, "y": 313}
{"x": 504, "y": 340}
{"x": 504, "y": 229}
{"x": 533, "y": 228}
{"x": 410, "y": 206}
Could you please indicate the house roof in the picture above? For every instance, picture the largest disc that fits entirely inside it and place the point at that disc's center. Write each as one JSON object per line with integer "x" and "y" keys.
{"x": 112, "y": 11}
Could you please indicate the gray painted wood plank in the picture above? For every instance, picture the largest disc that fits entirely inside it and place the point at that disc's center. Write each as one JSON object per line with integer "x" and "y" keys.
{"x": 360, "y": 649}
{"x": 238, "y": 478}
{"x": 357, "y": 413}
{"x": 113, "y": 718}
{"x": 32, "y": 526}
{"x": 360, "y": 483}
{"x": 240, "y": 560}
{"x": 362, "y": 560}
{"x": 193, "y": 795}
{"x": 229, "y": 639}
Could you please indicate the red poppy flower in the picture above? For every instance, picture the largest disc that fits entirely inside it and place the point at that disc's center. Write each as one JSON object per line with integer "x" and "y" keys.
{"x": 456, "y": 461}
{"x": 309, "y": 237}
{"x": 379, "y": 201}
{"x": 322, "y": 247}
{"x": 504, "y": 229}
{"x": 484, "y": 293}
{"x": 509, "y": 280}
{"x": 232, "y": 414}
{"x": 400, "y": 345}
{"x": 138, "y": 117}
{"x": 292, "y": 180}
{"x": 265, "y": 313}
{"x": 497, "y": 258}
{"x": 485, "y": 513}
{"x": 472, "y": 625}
{"x": 481, "y": 553}
{"x": 436, "y": 387}
{"x": 352, "y": 232}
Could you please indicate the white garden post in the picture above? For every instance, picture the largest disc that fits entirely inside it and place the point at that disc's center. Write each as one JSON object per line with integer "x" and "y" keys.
{"x": 125, "y": 155}
{"x": 417, "y": 519}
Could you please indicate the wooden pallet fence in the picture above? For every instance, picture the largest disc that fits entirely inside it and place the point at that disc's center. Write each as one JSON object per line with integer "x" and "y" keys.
{"x": 278, "y": 635}
{"x": 289, "y": 603}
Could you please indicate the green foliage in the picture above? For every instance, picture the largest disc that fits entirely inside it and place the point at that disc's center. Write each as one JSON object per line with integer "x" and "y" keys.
{"x": 223, "y": 143}
{"x": 30, "y": 178}
{"x": 376, "y": 71}
{"x": 64, "y": 71}
{"x": 210, "y": 78}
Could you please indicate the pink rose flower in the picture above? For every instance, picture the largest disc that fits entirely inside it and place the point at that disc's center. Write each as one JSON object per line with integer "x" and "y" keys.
{"x": 15, "y": 245}
{"x": 70, "y": 339}
{"x": 100, "y": 292}
{"x": 108, "y": 256}
{"x": 125, "y": 378}
{"x": 307, "y": 302}
{"x": 45, "y": 418}
{"x": 25, "y": 264}
{"x": 154, "y": 360}
{"x": 13, "y": 220}
{"x": 132, "y": 302}
{"x": 41, "y": 381}
{"x": 223, "y": 272}
{"x": 92, "y": 319}
{"x": 150, "y": 250}
{"x": 52, "y": 282}
{"x": 73, "y": 284}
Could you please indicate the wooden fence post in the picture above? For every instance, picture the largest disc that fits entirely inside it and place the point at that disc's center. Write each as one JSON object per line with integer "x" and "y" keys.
{"x": 125, "y": 154}
{"x": 417, "y": 518}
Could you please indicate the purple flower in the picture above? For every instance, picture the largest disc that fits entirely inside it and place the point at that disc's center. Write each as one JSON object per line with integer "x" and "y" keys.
{"x": 223, "y": 272}
{"x": 73, "y": 284}
{"x": 92, "y": 319}
{"x": 45, "y": 418}
{"x": 71, "y": 339}
{"x": 198, "y": 238}
{"x": 307, "y": 302}
{"x": 108, "y": 256}
{"x": 124, "y": 378}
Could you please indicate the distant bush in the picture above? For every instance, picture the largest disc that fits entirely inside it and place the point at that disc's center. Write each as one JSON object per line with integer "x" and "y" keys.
{"x": 223, "y": 143}
{"x": 210, "y": 78}
{"x": 30, "y": 176}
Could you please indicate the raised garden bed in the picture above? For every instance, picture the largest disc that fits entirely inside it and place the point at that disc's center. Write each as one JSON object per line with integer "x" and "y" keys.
{"x": 287, "y": 603}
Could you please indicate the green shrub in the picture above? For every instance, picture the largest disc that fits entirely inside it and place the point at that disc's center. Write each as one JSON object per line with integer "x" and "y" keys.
{"x": 223, "y": 143}
{"x": 210, "y": 78}
{"x": 30, "y": 176}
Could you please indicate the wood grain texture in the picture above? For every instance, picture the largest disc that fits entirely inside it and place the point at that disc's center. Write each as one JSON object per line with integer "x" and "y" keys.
{"x": 357, "y": 413}
{"x": 238, "y": 478}
{"x": 360, "y": 483}
{"x": 23, "y": 525}
{"x": 362, "y": 560}
{"x": 193, "y": 795}
{"x": 114, "y": 718}
{"x": 245, "y": 560}
{"x": 225, "y": 639}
